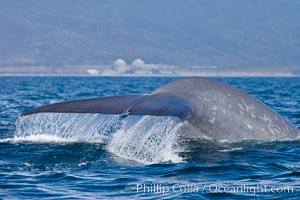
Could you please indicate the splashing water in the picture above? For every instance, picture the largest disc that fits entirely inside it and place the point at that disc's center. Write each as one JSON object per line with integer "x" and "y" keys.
{"x": 146, "y": 139}
{"x": 151, "y": 140}
{"x": 79, "y": 127}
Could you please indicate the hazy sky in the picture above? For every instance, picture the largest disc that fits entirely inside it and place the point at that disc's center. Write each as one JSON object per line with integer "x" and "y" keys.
{"x": 223, "y": 33}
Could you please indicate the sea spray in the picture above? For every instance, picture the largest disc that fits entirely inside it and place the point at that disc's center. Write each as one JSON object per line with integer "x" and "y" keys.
{"x": 146, "y": 139}
{"x": 151, "y": 139}
{"x": 77, "y": 127}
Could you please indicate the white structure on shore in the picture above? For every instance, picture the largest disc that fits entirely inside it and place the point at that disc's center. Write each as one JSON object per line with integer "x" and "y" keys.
{"x": 120, "y": 65}
{"x": 139, "y": 63}
{"x": 92, "y": 71}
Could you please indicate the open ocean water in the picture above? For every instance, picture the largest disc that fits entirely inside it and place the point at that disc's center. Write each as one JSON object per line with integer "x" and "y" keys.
{"x": 82, "y": 156}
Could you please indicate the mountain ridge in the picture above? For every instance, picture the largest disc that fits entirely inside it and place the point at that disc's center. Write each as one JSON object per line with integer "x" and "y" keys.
{"x": 228, "y": 33}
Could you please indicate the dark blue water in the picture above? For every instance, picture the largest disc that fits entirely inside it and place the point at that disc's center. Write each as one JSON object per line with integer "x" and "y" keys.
{"x": 60, "y": 167}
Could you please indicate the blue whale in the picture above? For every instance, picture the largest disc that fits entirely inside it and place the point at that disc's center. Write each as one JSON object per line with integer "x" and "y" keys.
{"x": 211, "y": 109}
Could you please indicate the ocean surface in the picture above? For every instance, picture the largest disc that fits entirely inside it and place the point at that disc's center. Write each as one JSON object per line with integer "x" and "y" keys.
{"x": 84, "y": 156}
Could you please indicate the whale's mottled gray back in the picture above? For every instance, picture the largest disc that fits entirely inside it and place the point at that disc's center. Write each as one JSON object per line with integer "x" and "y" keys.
{"x": 223, "y": 112}
{"x": 212, "y": 109}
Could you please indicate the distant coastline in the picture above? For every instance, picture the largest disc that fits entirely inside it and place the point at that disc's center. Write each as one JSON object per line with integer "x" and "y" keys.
{"x": 139, "y": 68}
{"x": 244, "y": 74}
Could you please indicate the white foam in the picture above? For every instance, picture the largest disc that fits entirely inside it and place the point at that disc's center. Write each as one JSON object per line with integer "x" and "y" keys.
{"x": 231, "y": 149}
{"x": 42, "y": 138}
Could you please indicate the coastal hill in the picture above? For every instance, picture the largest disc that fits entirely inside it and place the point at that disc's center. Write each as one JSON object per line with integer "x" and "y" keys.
{"x": 227, "y": 34}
